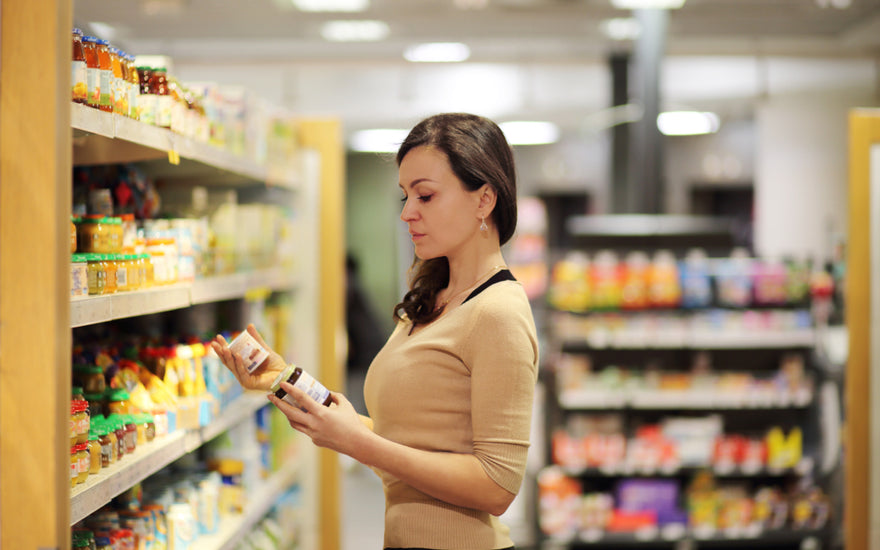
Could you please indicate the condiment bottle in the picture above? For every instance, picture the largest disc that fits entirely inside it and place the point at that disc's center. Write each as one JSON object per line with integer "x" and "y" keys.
{"x": 164, "y": 101}
{"x": 134, "y": 86}
{"x": 93, "y": 71}
{"x": 304, "y": 381}
{"x": 78, "y": 83}
{"x": 147, "y": 99}
{"x": 106, "y": 74}
{"x": 117, "y": 83}
{"x": 82, "y": 462}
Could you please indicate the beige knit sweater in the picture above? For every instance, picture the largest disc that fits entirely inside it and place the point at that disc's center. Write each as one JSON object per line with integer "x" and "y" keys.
{"x": 462, "y": 384}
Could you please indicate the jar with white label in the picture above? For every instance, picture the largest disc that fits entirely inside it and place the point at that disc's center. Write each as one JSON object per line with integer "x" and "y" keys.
{"x": 304, "y": 381}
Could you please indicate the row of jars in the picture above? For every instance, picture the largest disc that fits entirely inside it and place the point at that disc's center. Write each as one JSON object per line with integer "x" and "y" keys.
{"x": 98, "y": 441}
{"x": 102, "y": 234}
{"x": 96, "y": 274}
{"x": 108, "y": 79}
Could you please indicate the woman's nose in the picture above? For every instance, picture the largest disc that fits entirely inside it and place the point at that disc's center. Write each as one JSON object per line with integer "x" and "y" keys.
{"x": 407, "y": 213}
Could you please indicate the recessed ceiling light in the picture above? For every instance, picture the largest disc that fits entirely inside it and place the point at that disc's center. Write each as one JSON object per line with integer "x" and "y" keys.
{"x": 529, "y": 132}
{"x": 687, "y": 123}
{"x": 437, "y": 52}
{"x": 377, "y": 140}
{"x": 621, "y": 28}
{"x": 331, "y": 5}
{"x": 354, "y": 31}
{"x": 647, "y": 4}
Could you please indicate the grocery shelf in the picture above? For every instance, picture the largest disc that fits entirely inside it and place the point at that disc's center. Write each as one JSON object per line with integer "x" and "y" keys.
{"x": 234, "y": 529}
{"x": 696, "y": 399}
{"x": 668, "y": 536}
{"x": 100, "y": 309}
{"x": 697, "y": 340}
{"x": 151, "y": 457}
{"x": 133, "y": 141}
{"x": 718, "y": 470}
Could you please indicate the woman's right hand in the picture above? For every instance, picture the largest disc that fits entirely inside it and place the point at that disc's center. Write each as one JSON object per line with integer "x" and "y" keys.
{"x": 262, "y": 376}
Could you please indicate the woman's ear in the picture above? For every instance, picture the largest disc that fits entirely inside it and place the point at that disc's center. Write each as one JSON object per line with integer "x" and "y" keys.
{"x": 488, "y": 197}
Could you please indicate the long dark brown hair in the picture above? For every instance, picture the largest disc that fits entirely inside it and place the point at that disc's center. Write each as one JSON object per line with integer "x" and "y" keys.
{"x": 479, "y": 154}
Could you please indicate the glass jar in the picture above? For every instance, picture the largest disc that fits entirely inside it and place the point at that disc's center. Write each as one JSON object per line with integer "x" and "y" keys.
{"x": 73, "y": 234}
{"x": 74, "y": 466}
{"x": 93, "y": 235}
{"x": 82, "y": 460}
{"x": 134, "y": 91}
{"x": 90, "y": 378}
{"x": 146, "y": 99}
{"x": 131, "y": 435}
{"x": 79, "y": 88}
{"x": 300, "y": 379}
{"x": 117, "y": 235}
{"x": 94, "y": 448}
{"x": 117, "y": 83}
{"x": 106, "y": 98}
{"x": 93, "y": 71}
{"x": 145, "y": 267}
{"x": 96, "y": 274}
{"x": 117, "y": 402}
{"x": 123, "y": 283}
{"x": 83, "y": 421}
{"x": 74, "y": 433}
{"x": 109, "y": 265}
{"x": 96, "y": 404}
{"x": 118, "y": 428}
{"x": 149, "y": 426}
{"x": 110, "y": 432}
{"x": 164, "y": 101}
{"x": 79, "y": 276}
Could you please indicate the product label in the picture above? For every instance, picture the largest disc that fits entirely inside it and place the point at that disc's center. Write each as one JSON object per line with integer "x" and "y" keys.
{"x": 165, "y": 104}
{"x": 78, "y": 81}
{"x": 314, "y": 389}
{"x": 93, "y": 83}
{"x": 83, "y": 464}
{"x": 245, "y": 346}
{"x": 133, "y": 95}
{"x": 106, "y": 97}
{"x": 122, "y": 277}
{"x": 146, "y": 104}
{"x": 74, "y": 469}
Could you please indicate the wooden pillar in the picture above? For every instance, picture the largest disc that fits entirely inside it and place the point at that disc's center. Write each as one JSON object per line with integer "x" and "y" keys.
{"x": 864, "y": 132}
{"x": 35, "y": 195}
{"x": 325, "y": 136}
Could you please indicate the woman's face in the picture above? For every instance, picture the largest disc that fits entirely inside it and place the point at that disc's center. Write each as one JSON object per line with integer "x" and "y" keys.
{"x": 441, "y": 214}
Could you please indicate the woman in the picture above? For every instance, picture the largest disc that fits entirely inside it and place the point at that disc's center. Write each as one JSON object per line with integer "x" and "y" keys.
{"x": 450, "y": 394}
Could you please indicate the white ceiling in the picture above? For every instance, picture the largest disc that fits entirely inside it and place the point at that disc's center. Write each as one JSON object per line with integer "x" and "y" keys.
{"x": 532, "y": 59}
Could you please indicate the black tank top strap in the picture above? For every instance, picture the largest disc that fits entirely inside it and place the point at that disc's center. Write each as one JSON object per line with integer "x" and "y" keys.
{"x": 503, "y": 275}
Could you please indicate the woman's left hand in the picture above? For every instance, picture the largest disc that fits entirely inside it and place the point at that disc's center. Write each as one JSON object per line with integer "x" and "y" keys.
{"x": 337, "y": 427}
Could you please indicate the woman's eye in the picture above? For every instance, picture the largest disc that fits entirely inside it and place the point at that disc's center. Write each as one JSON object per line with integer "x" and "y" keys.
{"x": 425, "y": 198}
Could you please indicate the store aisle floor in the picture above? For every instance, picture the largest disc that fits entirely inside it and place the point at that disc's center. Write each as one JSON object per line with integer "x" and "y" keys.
{"x": 363, "y": 507}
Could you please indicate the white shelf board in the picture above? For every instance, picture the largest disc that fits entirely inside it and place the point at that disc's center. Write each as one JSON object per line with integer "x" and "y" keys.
{"x": 234, "y": 529}
{"x": 702, "y": 339}
{"x": 148, "y": 459}
{"x": 163, "y": 141}
{"x": 100, "y": 309}
{"x": 681, "y": 400}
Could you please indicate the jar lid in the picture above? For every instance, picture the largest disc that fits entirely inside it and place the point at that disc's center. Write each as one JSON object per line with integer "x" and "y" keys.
{"x": 93, "y": 396}
{"x": 79, "y": 258}
{"x": 117, "y": 394}
{"x": 76, "y": 390}
{"x": 81, "y": 447}
{"x": 77, "y": 31}
{"x": 88, "y": 369}
{"x": 102, "y": 41}
{"x": 89, "y": 38}
{"x": 282, "y": 377}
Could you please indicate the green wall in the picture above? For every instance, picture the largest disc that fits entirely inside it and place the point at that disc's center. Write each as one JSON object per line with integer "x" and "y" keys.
{"x": 372, "y": 225}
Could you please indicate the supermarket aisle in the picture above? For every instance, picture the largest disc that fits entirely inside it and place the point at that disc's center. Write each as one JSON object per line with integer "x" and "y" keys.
{"x": 363, "y": 508}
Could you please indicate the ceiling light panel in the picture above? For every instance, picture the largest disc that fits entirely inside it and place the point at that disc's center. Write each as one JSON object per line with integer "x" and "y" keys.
{"x": 331, "y": 5}
{"x": 647, "y": 4}
{"x": 529, "y": 132}
{"x": 437, "y": 52}
{"x": 377, "y": 140}
{"x": 687, "y": 123}
{"x": 354, "y": 31}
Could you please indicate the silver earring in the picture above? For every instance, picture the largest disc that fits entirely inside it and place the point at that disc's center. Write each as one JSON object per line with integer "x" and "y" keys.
{"x": 483, "y": 226}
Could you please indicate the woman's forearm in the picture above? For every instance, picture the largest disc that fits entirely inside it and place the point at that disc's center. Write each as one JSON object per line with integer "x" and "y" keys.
{"x": 455, "y": 478}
